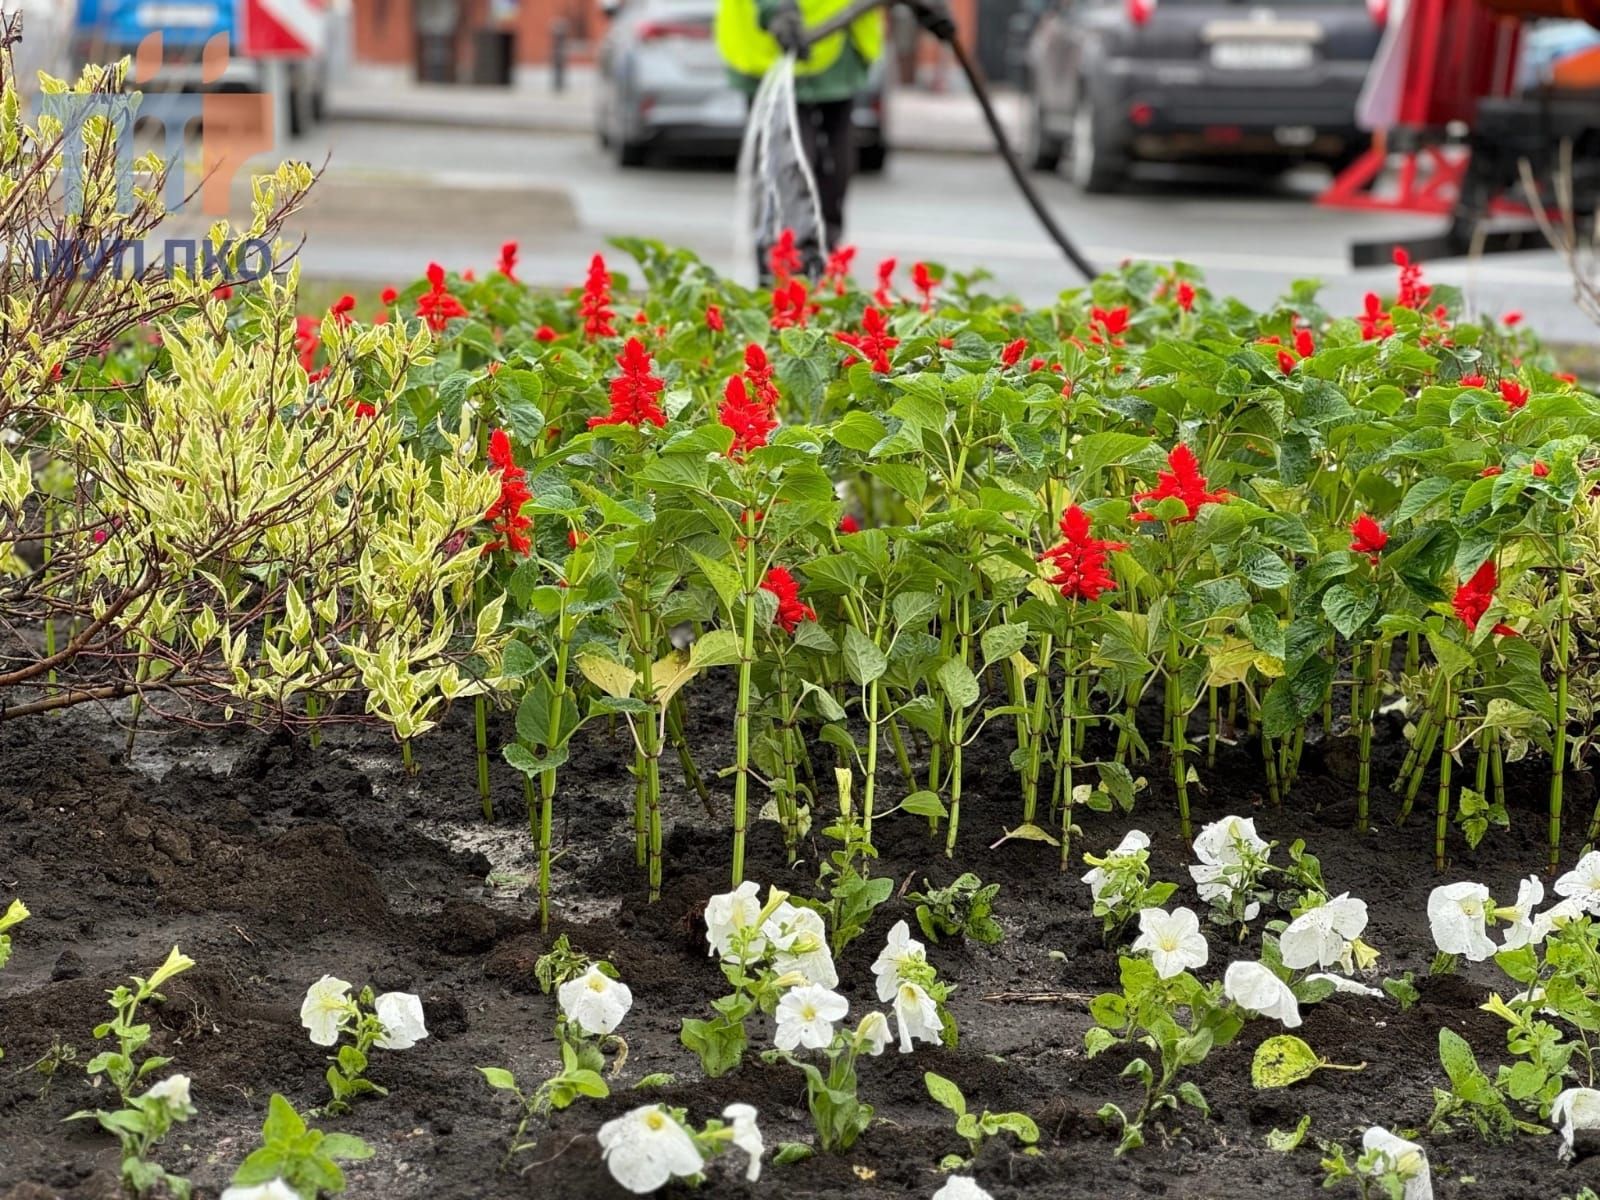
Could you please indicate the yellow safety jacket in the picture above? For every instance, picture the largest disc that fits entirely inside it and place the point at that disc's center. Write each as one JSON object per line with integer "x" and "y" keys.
{"x": 750, "y": 50}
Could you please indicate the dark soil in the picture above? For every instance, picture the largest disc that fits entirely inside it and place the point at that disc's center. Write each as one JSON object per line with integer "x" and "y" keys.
{"x": 271, "y": 864}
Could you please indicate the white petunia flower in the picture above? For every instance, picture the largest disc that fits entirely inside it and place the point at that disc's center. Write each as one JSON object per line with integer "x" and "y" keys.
{"x": 1345, "y": 985}
{"x": 174, "y": 1089}
{"x": 916, "y": 1013}
{"x": 1456, "y": 914}
{"x": 900, "y": 948}
{"x": 325, "y": 1008}
{"x": 1253, "y": 986}
{"x": 646, "y": 1147}
{"x": 1582, "y": 883}
{"x": 1132, "y": 842}
{"x": 729, "y": 913}
{"x": 1554, "y": 917}
{"x": 799, "y": 939}
{"x": 273, "y": 1189}
{"x": 1218, "y": 846}
{"x": 401, "y": 1016}
{"x": 874, "y": 1032}
{"x": 1173, "y": 941}
{"x": 1406, "y": 1159}
{"x": 746, "y": 1136}
{"x": 594, "y": 1001}
{"x": 1575, "y": 1109}
{"x": 1530, "y": 894}
{"x": 806, "y": 1015}
{"x": 960, "y": 1187}
{"x": 1321, "y": 936}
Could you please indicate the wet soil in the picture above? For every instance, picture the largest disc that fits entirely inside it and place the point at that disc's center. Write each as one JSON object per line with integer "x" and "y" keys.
{"x": 272, "y": 864}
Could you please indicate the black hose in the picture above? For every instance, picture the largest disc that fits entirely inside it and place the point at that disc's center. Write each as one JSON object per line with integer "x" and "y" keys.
{"x": 991, "y": 118}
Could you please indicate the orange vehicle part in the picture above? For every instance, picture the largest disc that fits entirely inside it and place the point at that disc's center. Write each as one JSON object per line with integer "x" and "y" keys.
{"x": 1577, "y": 10}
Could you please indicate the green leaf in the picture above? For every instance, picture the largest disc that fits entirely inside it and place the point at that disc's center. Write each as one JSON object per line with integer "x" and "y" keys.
{"x": 1349, "y": 605}
{"x": 863, "y": 661}
{"x": 958, "y": 682}
{"x": 1002, "y": 641}
{"x": 1283, "y": 1142}
{"x": 945, "y": 1093}
{"x": 1283, "y": 1060}
{"x": 789, "y": 1153}
{"x": 925, "y": 804}
{"x": 1099, "y": 450}
{"x": 718, "y": 648}
{"x": 499, "y": 1078}
{"x": 722, "y": 577}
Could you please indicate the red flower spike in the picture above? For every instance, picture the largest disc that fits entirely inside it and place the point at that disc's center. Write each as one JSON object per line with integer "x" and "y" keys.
{"x": 1473, "y": 598}
{"x": 922, "y": 279}
{"x": 873, "y": 343}
{"x": 1108, "y": 324}
{"x": 1305, "y": 345}
{"x": 848, "y": 524}
{"x": 595, "y": 304}
{"x": 883, "y": 297}
{"x": 1513, "y": 393}
{"x": 1012, "y": 354}
{"x": 545, "y": 334}
{"x": 1287, "y": 361}
{"x": 750, "y": 421}
{"x": 1370, "y": 538}
{"x": 783, "y": 260}
{"x": 1540, "y": 471}
{"x": 791, "y": 610}
{"x": 505, "y": 514}
{"x": 836, "y": 275}
{"x": 635, "y": 393}
{"x": 1491, "y": 472}
{"x": 1374, "y": 320}
{"x": 790, "y": 306}
{"x": 1182, "y": 481}
{"x": 507, "y": 265}
{"x": 437, "y": 307}
{"x": 1511, "y": 319}
{"x": 714, "y": 320}
{"x": 1185, "y": 295}
{"x": 1474, "y": 381}
{"x": 758, "y": 374}
{"x": 388, "y": 296}
{"x": 1080, "y": 559}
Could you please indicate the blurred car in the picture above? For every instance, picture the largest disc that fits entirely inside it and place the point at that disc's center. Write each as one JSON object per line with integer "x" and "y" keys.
{"x": 1114, "y": 82}
{"x": 663, "y": 86}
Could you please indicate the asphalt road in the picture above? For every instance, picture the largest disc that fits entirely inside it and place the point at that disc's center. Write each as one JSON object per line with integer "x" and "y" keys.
{"x": 1250, "y": 237}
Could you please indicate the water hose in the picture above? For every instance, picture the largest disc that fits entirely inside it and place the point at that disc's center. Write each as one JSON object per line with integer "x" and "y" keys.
{"x": 845, "y": 19}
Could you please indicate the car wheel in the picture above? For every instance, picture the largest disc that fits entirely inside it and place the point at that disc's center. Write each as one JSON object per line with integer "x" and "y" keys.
{"x": 1099, "y": 163}
{"x": 1042, "y": 151}
{"x": 630, "y": 153}
{"x": 871, "y": 160}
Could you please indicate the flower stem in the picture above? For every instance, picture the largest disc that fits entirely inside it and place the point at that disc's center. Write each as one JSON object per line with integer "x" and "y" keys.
{"x": 1178, "y": 736}
{"x": 1041, "y": 698}
{"x": 1441, "y": 823}
{"x": 650, "y": 744}
{"x": 1368, "y": 706}
{"x": 1068, "y": 703}
{"x": 480, "y": 729}
{"x": 680, "y": 743}
{"x": 1558, "y": 751}
{"x": 741, "y": 729}
{"x": 1212, "y": 720}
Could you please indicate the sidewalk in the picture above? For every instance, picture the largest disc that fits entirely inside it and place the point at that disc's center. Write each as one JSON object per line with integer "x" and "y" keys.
{"x": 919, "y": 119}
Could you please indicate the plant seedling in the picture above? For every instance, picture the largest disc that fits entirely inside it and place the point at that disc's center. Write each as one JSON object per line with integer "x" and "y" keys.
{"x": 977, "y": 1128}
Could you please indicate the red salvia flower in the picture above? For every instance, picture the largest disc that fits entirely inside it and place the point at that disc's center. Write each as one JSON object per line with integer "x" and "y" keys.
{"x": 1370, "y": 538}
{"x": 388, "y": 296}
{"x": 507, "y": 265}
{"x": 222, "y": 293}
{"x": 791, "y": 609}
{"x": 1374, "y": 320}
{"x": 883, "y": 297}
{"x": 1185, "y": 295}
{"x": 1183, "y": 481}
{"x": 849, "y": 524}
{"x": 1108, "y": 324}
{"x": 1413, "y": 292}
{"x": 714, "y": 320}
{"x": 1012, "y": 354}
{"x": 1511, "y": 319}
{"x": 635, "y": 393}
{"x": 1513, "y": 393}
{"x": 758, "y": 374}
{"x": 750, "y": 421}
{"x": 437, "y": 307}
{"x": 873, "y": 343}
{"x": 1036, "y": 363}
{"x": 595, "y": 305}
{"x": 790, "y": 305}
{"x": 783, "y": 260}
{"x": 1305, "y": 344}
{"x": 836, "y": 274}
{"x": 1540, "y": 471}
{"x": 922, "y": 279}
{"x": 1473, "y": 598}
{"x": 1491, "y": 472}
{"x": 307, "y": 338}
{"x": 1474, "y": 381}
{"x": 505, "y": 514}
{"x": 545, "y": 334}
{"x": 1080, "y": 559}
{"x": 341, "y": 310}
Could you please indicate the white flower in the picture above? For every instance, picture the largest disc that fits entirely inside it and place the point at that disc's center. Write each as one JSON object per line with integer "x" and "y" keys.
{"x": 401, "y": 1015}
{"x": 1575, "y": 1109}
{"x": 273, "y": 1189}
{"x": 1406, "y": 1159}
{"x": 799, "y": 938}
{"x": 960, "y": 1187}
{"x": 1353, "y": 987}
{"x": 917, "y": 1015}
{"x": 174, "y": 1089}
{"x": 731, "y": 912}
{"x": 806, "y": 1015}
{"x": 594, "y": 1001}
{"x": 1321, "y": 936}
{"x": 900, "y": 948}
{"x": 1132, "y": 842}
{"x": 746, "y": 1136}
{"x": 1173, "y": 940}
{"x": 874, "y": 1033}
{"x": 1530, "y": 893}
{"x": 1582, "y": 883}
{"x": 324, "y": 1009}
{"x": 1253, "y": 986}
{"x": 1456, "y": 913}
{"x": 1557, "y": 915}
{"x": 645, "y": 1148}
{"x": 1218, "y": 846}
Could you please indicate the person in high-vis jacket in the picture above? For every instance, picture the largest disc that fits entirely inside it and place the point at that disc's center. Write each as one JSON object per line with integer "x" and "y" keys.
{"x": 753, "y": 35}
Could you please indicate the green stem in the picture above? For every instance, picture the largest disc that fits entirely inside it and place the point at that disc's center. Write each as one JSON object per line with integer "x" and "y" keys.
{"x": 1068, "y": 698}
{"x": 1178, "y": 743}
{"x": 869, "y": 785}
{"x": 408, "y": 761}
{"x": 480, "y": 730}
{"x": 1558, "y": 752}
{"x": 1368, "y": 707}
{"x": 680, "y": 743}
{"x": 747, "y": 657}
{"x": 1213, "y": 718}
{"x": 547, "y": 779}
{"x": 958, "y": 733}
{"x": 1041, "y": 699}
{"x": 1441, "y": 822}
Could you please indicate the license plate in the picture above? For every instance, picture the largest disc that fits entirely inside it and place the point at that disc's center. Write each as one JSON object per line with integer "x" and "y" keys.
{"x": 1261, "y": 55}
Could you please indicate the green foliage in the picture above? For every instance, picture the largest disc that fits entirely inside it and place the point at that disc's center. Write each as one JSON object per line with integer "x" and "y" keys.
{"x": 16, "y": 912}
{"x": 960, "y": 910}
{"x": 977, "y": 1128}
{"x": 1472, "y": 1098}
{"x": 305, "y": 1158}
{"x": 122, "y": 1066}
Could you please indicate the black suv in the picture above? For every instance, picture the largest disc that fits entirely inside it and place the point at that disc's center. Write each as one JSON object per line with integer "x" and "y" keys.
{"x": 1113, "y": 82}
